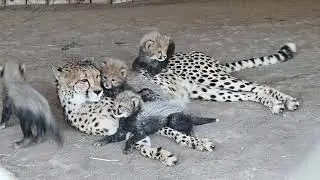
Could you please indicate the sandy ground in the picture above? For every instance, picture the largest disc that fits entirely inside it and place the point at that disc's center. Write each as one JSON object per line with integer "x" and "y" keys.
{"x": 251, "y": 142}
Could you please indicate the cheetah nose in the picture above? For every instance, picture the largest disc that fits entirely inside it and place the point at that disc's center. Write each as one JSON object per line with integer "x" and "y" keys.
{"x": 97, "y": 91}
{"x": 115, "y": 111}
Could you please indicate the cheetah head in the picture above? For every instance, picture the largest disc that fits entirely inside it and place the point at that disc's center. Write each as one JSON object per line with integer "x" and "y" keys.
{"x": 126, "y": 104}
{"x": 154, "y": 46}
{"x": 78, "y": 82}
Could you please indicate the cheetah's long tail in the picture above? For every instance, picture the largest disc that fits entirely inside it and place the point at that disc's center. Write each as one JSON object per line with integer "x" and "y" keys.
{"x": 285, "y": 53}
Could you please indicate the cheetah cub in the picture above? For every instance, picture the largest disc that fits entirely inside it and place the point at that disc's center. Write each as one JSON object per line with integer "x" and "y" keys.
{"x": 116, "y": 76}
{"x": 161, "y": 117}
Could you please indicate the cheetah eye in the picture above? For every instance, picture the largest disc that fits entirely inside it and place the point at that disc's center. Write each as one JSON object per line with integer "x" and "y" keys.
{"x": 98, "y": 76}
{"x": 159, "y": 52}
{"x": 112, "y": 80}
{"x": 84, "y": 80}
{"x": 105, "y": 77}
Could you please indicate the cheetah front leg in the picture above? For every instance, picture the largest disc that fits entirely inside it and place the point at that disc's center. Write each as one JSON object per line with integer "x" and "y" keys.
{"x": 186, "y": 140}
{"x": 144, "y": 147}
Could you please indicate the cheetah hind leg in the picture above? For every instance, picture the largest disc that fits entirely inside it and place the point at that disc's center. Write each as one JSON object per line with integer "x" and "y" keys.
{"x": 224, "y": 95}
{"x": 164, "y": 156}
{"x": 185, "y": 140}
{"x": 291, "y": 103}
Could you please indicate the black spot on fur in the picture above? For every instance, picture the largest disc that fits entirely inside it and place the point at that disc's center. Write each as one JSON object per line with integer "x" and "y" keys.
{"x": 96, "y": 124}
{"x": 227, "y": 83}
{"x": 242, "y": 86}
{"x": 193, "y": 146}
{"x": 213, "y": 96}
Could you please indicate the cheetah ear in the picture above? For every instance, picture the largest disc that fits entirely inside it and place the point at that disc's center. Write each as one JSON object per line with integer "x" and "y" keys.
{"x": 56, "y": 71}
{"x": 103, "y": 65}
{"x": 135, "y": 101}
{"x": 171, "y": 48}
{"x": 123, "y": 72}
{"x": 22, "y": 68}
{"x": 1, "y": 71}
{"x": 148, "y": 44}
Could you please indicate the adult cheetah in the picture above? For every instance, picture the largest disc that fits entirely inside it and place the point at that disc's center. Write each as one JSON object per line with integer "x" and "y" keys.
{"x": 80, "y": 94}
{"x": 195, "y": 75}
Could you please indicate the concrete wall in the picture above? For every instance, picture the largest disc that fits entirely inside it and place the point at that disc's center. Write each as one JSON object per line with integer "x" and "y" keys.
{"x": 51, "y": 2}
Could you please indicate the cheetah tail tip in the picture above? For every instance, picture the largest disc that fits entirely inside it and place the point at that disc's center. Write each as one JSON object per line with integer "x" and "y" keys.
{"x": 292, "y": 46}
{"x": 217, "y": 120}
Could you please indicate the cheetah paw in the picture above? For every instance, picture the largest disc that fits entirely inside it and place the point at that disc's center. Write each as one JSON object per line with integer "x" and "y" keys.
{"x": 98, "y": 144}
{"x": 168, "y": 159}
{"x": 127, "y": 150}
{"x": 277, "y": 108}
{"x": 206, "y": 145}
{"x": 292, "y": 104}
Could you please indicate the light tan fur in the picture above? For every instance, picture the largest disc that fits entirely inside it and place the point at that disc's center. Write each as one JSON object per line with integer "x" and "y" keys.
{"x": 126, "y": 103}
{"x": 154, "y": 45}
{"x": 80, "y": 94}
{"x": 114, "y": 72}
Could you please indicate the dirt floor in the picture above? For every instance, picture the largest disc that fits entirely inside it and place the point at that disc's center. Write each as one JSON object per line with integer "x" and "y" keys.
{"x": 251, "y": 142}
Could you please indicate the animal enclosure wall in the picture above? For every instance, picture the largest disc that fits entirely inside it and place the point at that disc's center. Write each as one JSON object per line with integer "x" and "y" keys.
{"x": 52, "y": 2}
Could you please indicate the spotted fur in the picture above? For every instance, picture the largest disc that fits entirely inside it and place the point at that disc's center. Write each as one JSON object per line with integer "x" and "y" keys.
{"x": 195, "y": 75}
{"x": 161, "y": 117}
{"x": 80, "y": 93}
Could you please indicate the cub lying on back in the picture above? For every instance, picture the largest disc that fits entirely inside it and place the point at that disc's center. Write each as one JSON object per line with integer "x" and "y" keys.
{"x": 161, "y": 117}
